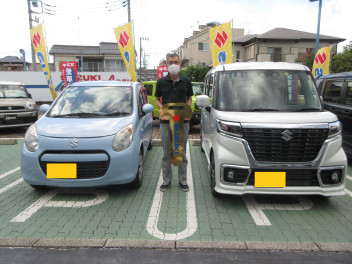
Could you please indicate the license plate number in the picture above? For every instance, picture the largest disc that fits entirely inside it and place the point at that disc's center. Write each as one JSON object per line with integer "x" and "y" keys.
{"x": 61, "y": 170}
{"x": 10, "y": 117}
{"x": 269, "y": 179}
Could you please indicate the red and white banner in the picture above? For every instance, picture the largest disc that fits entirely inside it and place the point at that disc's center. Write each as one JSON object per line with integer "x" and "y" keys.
{"x": 162, "y": 71}
{"x": 69, "y": 71}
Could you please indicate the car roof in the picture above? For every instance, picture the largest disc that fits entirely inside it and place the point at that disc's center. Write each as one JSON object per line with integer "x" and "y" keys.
{"x": 336, "y": 75}
{"x": 104, "y": 83}
{"x": 10, "y": 83}
{"x": 260, "y": 66}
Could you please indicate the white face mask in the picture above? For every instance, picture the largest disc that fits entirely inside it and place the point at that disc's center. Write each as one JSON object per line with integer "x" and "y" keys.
{"x": 174, "y": 69}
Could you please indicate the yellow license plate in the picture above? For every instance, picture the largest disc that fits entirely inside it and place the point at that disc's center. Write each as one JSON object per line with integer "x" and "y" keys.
{"x": 270, "y": 179}
{"x": 61, "y": 171}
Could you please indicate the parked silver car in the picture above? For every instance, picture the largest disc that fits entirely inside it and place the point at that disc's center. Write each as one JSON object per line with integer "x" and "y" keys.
{"x": 266, "y": 132}
{"x": 17, "y": 109}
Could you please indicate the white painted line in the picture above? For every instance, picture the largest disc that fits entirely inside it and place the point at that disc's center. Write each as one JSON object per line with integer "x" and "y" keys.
{"x": 348, "y": 192}
{"x": 7, "y": 187}
{"x": 9, "y": 172}
{"x": 192, "y": 225}
{"x": 45, "y": 201}
{"x": 349, "y": 177}
{"x": 256, "y": 209}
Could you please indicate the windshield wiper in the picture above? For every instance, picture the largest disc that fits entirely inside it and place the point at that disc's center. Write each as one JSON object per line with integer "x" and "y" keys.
{"x": 260, "y": 110}
{"x": 117, "y": 114}
{"x": 78, "y": 115}
{"x": 307, "y": 110}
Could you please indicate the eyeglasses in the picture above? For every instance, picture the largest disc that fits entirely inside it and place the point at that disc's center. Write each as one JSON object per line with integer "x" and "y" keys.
{"x": 173, "y": 62}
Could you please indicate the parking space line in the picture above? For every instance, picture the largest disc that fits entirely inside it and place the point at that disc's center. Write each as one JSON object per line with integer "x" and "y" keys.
{"x": 9, "y": 186}
{"x": 192, "y": 225}
{"x": 9, "y": 172}
{"x": 348, "y": 192}
{"x": 349, "y": 177}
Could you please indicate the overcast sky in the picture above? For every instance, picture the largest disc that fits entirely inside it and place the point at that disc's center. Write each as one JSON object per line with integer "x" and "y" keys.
{"x": 164, "y": 22}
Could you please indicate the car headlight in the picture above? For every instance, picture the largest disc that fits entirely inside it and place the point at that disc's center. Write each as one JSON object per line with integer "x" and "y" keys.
{"x": 30, "y": 105}
{"x": 335, "y": 129}
{"x": 31, "y": 139}
{"x": 229, "y": 128}
{"x": 123, "y": 139}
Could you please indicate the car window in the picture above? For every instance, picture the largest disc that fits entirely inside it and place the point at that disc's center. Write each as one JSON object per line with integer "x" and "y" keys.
{"x": 93, "y": 100}
{"x": 262, "y": 90}
{"x": 142, "y": 100}
{"x": 149, "y": 88}
{"x": 12, "y": 91}
{"x": 348, "y": 98}
{"x": 196, "y": 89}
{"x": 211, "y": 86}
{"x": 332, "y": 91}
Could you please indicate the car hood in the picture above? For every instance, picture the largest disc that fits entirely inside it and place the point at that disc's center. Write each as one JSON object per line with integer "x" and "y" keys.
{"x": 80, "y": 127}
{"x": 277, "y": 117}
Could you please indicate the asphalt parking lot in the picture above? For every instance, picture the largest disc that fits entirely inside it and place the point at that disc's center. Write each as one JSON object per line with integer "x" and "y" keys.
{"x": 121, "y": 217}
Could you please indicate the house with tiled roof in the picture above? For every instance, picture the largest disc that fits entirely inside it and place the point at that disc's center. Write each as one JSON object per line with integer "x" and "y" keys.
{"x": 280, "y": 44}
{"x": 103, "y": 58}
{"x": 12, "y": 63}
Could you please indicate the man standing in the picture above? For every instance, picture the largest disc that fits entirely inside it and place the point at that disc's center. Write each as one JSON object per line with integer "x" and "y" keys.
{"x": 173, "y": 88}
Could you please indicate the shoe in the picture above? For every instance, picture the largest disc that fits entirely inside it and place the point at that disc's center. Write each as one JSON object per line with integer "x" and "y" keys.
{"x": 164, "y": 187}
{"x": 184, "y": 187}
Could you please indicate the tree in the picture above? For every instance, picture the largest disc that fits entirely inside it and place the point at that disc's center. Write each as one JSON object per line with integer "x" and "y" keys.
{"x": 195, "y": 73}
{"x": 342, "y": 62}
{"x": 308, "y": 59}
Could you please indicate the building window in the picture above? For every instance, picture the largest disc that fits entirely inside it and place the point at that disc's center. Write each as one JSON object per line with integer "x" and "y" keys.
{"x": 203, "y": 46}
{"x": 275, "y": 54}
{"x": 114, "y": 65}
{"x": 238, "y": 55}
{"x": 93, "y": 66}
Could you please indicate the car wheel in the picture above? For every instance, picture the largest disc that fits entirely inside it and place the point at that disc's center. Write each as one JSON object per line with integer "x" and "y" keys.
{"x": 212, "y": 177}
{"x": 201, "y": 139}
{"x": 137, "y": 182}
{"x": 150, "y": 144}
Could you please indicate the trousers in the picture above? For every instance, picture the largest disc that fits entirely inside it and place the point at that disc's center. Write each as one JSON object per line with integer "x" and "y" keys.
{"x": 166, "y": 161}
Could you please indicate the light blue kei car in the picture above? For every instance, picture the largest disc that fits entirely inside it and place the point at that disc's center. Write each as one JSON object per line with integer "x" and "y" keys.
{"x": 94, "y": 134}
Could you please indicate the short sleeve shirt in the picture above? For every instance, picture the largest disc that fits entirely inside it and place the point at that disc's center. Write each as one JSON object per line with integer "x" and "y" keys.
{"x": 174, "y": 92}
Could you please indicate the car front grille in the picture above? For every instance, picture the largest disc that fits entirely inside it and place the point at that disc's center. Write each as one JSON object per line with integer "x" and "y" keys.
{"x": 294, "y": 178}
{"x": 302, "y": 145}
{"x": 12, "y": 108}
{"x": 85, "y": 170}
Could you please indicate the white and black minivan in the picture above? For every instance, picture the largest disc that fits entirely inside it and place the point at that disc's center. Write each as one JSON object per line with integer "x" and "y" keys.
{"x": 263, "y": 130}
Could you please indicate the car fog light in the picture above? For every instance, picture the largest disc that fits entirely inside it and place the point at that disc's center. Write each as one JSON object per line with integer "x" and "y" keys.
{"x": 231, "y": 175}
{"x": 335, "y": 176}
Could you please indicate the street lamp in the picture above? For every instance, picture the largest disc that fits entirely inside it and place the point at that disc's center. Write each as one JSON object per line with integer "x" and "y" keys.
{"x": 24, "y": 59}
{"x": 318, "y": 29}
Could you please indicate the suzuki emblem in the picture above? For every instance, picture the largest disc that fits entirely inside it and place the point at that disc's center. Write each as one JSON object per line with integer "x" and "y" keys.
{"x": 287, "y": 135}
{"x": 74, "y": 143}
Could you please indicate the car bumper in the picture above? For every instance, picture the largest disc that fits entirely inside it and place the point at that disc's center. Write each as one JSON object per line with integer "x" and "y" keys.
{"x": 18, "y": 119}
{"x": 301, "y": 178}
{"x": 97, "y": 163}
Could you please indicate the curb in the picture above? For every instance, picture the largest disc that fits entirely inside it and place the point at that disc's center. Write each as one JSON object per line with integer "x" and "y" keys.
{"x": 8, "y": 141}
{"x": 175, "y": 245}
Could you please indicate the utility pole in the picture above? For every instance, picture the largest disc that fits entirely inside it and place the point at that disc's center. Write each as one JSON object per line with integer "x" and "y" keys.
{"x": 30, "y": 27}
{"x": 140, "y": 55}
{"x": 129, "y": 10}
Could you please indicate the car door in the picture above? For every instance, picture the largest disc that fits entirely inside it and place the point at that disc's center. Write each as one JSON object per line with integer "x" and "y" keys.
{"x": 206, "y": 114}
{"x": 345, "y": 117}
{"x": 145, "y": 122}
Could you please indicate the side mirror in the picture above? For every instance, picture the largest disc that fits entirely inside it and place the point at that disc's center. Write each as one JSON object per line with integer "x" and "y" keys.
{"x": 30, "y": 96}
{"x": 44, "y": 108}
{"x": 203, "y": 101}
{"x": 147, "y": 108}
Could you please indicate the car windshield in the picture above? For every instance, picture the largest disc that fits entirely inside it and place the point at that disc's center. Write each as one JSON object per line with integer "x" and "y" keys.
{"x": 93, "y": 101}
{"x": 12, "y": 91}
{"x": 196, "y": 89}
{"x": 267, "y": 90}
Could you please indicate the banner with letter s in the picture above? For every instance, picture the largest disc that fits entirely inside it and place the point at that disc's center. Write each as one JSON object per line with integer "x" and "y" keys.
{"x": 321, "y": 63}
{"x": 124, "y": 37}
{"x": 221, "y": 44}
{"x": 69, "y": 71}
{"x": 38, "y": 41}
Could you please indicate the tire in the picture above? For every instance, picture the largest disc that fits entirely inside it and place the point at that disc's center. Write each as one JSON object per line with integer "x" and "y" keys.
{"x": 212, "y": 177}
{"x": 201, "y": 139}
{"x": 150, "y": 145}
{"x": 137, "y": 182}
